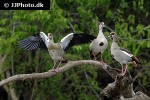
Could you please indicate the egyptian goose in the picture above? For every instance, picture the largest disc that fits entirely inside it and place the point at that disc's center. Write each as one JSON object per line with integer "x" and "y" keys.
{"x": 99, "y": 44}
{"x": 56, "y": 50}
{"x": 123, "y": 56}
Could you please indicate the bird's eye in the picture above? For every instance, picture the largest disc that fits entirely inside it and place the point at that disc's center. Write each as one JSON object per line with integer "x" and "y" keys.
{"x": 49, "y": 34}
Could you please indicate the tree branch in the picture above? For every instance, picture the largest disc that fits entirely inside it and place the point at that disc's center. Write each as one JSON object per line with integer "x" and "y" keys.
{"x": 121, "y": 88}
{"x": 66, "y": 67}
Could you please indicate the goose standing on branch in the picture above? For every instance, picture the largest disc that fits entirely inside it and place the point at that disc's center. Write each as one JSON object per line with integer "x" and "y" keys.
{"x": 99, "y": 44}
{"x": 123, "y": 56}
{"x": 56, "y": 50}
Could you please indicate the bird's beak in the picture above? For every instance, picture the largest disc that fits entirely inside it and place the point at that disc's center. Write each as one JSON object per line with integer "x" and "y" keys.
{"x": 109, "y": 36}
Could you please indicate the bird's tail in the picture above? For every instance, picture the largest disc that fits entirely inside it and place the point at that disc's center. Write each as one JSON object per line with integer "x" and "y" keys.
{"x": 136, "y": 60}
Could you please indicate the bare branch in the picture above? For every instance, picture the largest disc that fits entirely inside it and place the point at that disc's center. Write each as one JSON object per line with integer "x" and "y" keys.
{"x": 116, "y": 89}
{"x": 66, "y": 67}
{"x": 122, "y": 87}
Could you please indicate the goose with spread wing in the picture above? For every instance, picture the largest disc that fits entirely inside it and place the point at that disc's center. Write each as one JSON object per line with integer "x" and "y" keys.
{"x": 56, "y": 50}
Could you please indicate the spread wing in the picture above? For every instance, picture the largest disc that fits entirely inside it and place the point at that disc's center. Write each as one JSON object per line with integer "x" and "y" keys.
{"x": 32, "y": 43}
{"x": 75, "y": 39}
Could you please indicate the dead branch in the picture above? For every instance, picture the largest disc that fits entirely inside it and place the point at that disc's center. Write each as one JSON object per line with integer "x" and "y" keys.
{"x": 122, "y": 86}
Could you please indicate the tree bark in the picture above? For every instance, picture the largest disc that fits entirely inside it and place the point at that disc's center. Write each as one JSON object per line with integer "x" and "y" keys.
{"x": 122, "y": 86}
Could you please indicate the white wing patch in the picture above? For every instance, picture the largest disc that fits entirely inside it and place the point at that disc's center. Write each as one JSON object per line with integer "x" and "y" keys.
{"x": 44, "y": 38}
{"x": 66, "y": 40}
{"x": 130, "y": 55}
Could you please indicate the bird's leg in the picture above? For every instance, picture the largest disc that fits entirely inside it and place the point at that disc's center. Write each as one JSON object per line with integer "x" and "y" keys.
{"x": 58, "y": 65}
{"x": 125, "y": 70}
{"x": 94, "y": 57}
{"x": 94, "y": 54}
{"x": 101, "y": 59}
{"x": 53, "y": 69}
{"x": 122, "y": 69}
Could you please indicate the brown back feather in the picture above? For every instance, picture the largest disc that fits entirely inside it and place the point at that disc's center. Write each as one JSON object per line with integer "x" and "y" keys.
{"x": 136, "y": 60}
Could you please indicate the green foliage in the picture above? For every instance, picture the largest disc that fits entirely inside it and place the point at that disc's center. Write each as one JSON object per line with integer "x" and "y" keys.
{"x": 130, "y": 20}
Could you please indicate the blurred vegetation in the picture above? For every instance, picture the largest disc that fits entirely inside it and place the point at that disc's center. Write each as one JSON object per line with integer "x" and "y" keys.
{"x": 130, "y": 19}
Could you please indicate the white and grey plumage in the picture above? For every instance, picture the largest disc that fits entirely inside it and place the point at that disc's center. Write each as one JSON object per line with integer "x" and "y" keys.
{"x": 56, "y": 50}
{"x": 121, "y": 55}
{"x": 99, "y": 44}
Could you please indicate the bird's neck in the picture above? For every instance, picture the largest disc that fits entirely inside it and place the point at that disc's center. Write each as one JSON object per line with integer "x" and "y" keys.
{"x": 51, "y": 43}
{"x": 115, "y": 46}
{"x": 100, "y": 34}
{"x": 101, "y": 28}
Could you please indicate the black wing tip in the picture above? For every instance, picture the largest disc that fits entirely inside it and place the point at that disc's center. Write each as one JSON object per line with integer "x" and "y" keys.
{"x": 77, "y": 39}
{"x": 89, "y": 36}
{"x": 86, "y": 38}
{"x": 29, "y": 43}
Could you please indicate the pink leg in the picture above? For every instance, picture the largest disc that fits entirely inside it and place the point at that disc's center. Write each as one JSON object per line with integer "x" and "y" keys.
{"x": 94, "y": 56}
{"x": 54, "y": 64}
{"x": 125, "y": 70}
{"x": 53, "y": 69}
{"x": 122, "y": 69}
{"x": 56, "y": 70}
{"x": 101, "y": 59}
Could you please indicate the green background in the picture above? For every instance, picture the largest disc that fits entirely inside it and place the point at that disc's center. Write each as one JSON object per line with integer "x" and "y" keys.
{"x": 130, "y": 19}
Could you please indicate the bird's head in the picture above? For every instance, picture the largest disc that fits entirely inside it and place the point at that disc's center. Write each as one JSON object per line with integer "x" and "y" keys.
{"x": 101, "y": 25}
{"x": 50, "y": 36}
{"x": 114, "y": 36}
